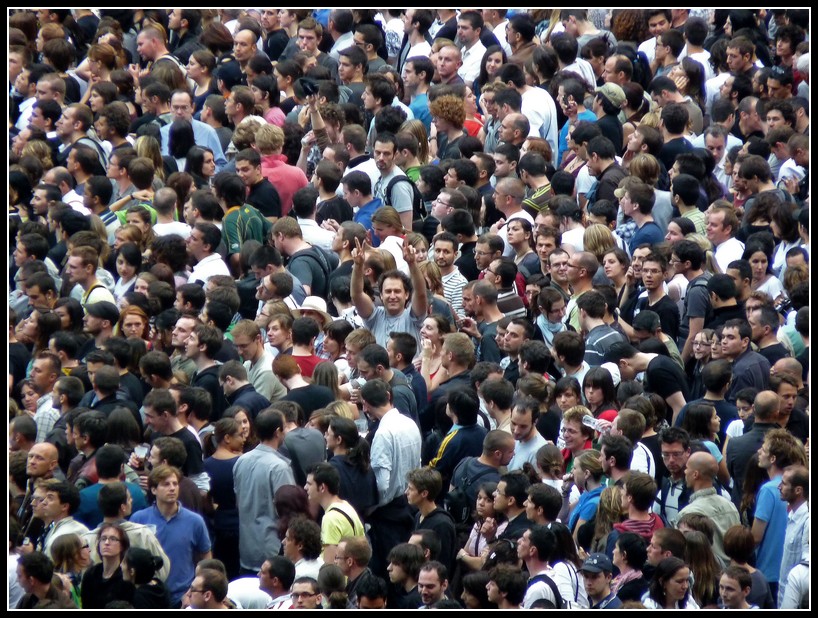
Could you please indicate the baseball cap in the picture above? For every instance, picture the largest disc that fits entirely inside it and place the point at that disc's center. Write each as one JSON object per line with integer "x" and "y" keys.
{"x": 103, "y": 310}
{"x": 598, "y": 563}
{"x": 612, "y": 92}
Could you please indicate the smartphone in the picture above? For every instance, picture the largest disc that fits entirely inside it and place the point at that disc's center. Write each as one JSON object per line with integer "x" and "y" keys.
{"x": 141, "y": 451}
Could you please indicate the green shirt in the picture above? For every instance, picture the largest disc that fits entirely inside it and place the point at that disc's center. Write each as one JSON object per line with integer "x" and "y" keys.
{"x": 698, "y": 219}
{"x": 242, "y": 223}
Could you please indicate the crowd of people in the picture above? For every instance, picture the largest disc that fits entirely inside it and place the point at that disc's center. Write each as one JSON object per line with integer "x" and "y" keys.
{"x": 409, "y": 309}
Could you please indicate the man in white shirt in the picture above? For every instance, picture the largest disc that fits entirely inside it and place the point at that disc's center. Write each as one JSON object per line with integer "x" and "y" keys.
{"x": 722, "y": 223}
{"x": 538, "y": 106}
{"x": 469, "y": 27}
{"x": 305, "y": 202}
{"x": 496, "y": 20}
{"x": 658, "y": 22}
{"x": 164, "y": 203}
{"x": 508, "y": 196}
{"x": 202, "y": 243}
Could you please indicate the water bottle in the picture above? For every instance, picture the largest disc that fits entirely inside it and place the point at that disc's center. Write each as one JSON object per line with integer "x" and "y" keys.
{"x": 590, "y": 421}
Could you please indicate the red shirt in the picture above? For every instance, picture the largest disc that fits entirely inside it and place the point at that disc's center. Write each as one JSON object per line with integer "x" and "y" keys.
{"x": 307, "y": 364}
{"x": 287, "y": 179}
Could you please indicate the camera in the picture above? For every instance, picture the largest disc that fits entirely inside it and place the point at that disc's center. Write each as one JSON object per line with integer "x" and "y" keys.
{"x": 309, "y": 86}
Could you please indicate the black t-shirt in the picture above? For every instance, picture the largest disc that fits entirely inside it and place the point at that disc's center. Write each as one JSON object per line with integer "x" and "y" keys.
{"x": 668, "y": 312}
{"x": 19, "y": 357}
{"x": 664, "y": 377}
{"x": 612, "y": 129}
{"x": 466, "y": 262}
{"x": 774, "y": 353}
{"x": 672, "y": 149}
{"x": 275, "y": 43}
{"x": 548, "y": 424}
{"x": 264, "y": 198}
{"x": 311, "y": 398}
{"x": 194, "y": 463}
{"x": 335, "y": 208}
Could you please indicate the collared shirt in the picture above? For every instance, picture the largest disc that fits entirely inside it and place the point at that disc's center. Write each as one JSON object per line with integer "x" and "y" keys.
{"x": 610, "y": 602}
{"x": 395, "y": 451}
{"x": 796, "y": 545}
{"x": 26, "y": 109}
{"x": 182, "y": 537}
{"x": 45, "y": 417}
{"x": 207, "y": 267}
{"x": 315, "y": 234}
{"x": 472, "y": 56}
{"x": 720, "y": 511}
{"x": 257, "y": 475}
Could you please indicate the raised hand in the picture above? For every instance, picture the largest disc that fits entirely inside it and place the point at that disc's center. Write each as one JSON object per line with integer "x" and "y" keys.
{"x": 409, "y": 253}
{"x": 469, "y": 326}
{"x": 494, "y": 228}
{"x": 359, "y": 252}
{"x": 331, "y": 224}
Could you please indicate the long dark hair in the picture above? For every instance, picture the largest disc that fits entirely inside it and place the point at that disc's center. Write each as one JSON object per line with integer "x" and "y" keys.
{"x": 599, "y": 377}
{"x": 144, "y": 564}
{"x": 180, "y": 139}
{"x": 697, "y": 421}
{"x": 565, "y": 549}
{"x": 483, "y": 76}
{"x": 358, "y": 453}
{"x": 666, "y": 569}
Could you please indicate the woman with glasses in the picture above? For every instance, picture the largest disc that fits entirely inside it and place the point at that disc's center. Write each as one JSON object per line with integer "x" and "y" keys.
{"x": 702, "y": 349}
{"x": 103, "y": 582}
{"x": 71, "y": 555}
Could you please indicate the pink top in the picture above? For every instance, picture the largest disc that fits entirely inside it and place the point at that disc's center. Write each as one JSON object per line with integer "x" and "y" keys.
{"x": 287, "y": 179}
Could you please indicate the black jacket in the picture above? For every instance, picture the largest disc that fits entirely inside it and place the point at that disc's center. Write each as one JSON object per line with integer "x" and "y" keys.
{"x": 208, "y": 379}
{"x": 443, "y": 525}
{"x": 248, "y": 398}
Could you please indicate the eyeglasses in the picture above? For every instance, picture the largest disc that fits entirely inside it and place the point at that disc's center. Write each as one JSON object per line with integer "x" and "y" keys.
{"x": 191, "y": 589}
{"x": 672, "y": 455}
{"x": 701, "y": 344}
{"x": 109, "y": 539}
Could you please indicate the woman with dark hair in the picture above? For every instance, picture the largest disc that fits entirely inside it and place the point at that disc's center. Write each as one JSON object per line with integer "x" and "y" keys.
{"x": 670, "y": 587}
{"x": 267, "y": 96}
{"x": 171, "y": 251}
{"x": 689, "y": 76}
{"x": 287, "y": 72}
{"x": 290, "y": 501}
{"x": 705, "y": 568}
{"x": 128, "y": 263}
{"x": 71, "y": 556}
{"x": 248, "y": 430}
{"x": 20, "y": 196}
{"x": 180, "y": 141}
{"x": 544, "y": 63}
{"x": 140, "y": 568}
{"x": 694, "y": 366}
{"x": 785, "y": 229}
{"x": 432, "y": 331}
{"x": 754, "y": 478}
{"x": 71, "y": 313}
{"x": 615, "y": 264}
{"x": 103, "y": 582}
{"x": 493, "y": 58}
{"x": 629, "y": 556}
{"x": 200, "y": 163}
{"x": 759, "y": 254}
{"x": 217, "y": 38}
{"x": 740, "y": 546}
{"x": 350, "y": 456}
{"x": 475, "y": 594}
{"x": 600, "y": 393}
{"x": 123, "y": 429}
{"x": 472, "y": 553}
{"x": 636, "y": 106}
{"x": 567, "y": 394}
{"x": 702, "y": 422}
{"x": 521, "y": 238}
{"x": 37, "y": 329}
{"x": 200, "y": 68}
{"x": 335, "y": 335}
{"x": 565, "y": 564}
{"x": 99, "y": 95}
{"x": 228, "y": 437}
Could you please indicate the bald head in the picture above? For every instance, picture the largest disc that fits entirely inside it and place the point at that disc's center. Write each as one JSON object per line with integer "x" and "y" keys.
{"x": 42, "y": 460}
{"x": 766, "y": 406}
{"x": 790, "y": 366}
{"x": 705, "y": 464}
{"x": 513, "y": 187}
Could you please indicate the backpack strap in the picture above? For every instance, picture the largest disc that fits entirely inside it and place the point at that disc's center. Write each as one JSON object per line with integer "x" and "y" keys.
{"x": 348, "y": 518}
{"x": 542, "y": 577}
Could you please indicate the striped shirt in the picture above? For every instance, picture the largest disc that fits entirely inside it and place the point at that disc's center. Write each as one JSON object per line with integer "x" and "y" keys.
{"x": 453, "y": 290}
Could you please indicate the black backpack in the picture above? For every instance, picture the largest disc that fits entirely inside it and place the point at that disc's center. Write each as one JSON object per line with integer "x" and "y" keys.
{"x": 418, "y": 206}
{"x": 456, "y": 502}
{"x": 542, "y": 577}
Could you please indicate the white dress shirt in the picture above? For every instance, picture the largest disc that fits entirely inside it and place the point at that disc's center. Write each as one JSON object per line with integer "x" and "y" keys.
{"x": 395, "y": 451}
{"x": 207, "y": 267}
{"x": 470, "y": 68}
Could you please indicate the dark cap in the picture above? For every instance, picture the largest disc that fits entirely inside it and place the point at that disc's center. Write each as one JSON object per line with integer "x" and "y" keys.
{"x": 647, "y": 320}
{"x": 229, "y": 71}
{"x": 598, "y": 563}
{"x": 103, "y": 310}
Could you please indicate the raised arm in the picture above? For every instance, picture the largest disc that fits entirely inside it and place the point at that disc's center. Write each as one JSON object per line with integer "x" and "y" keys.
{"x": 420, "y": 300}
{"x": 362, "y": 302}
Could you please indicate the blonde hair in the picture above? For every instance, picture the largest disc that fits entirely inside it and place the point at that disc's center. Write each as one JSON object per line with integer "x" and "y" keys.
{"x": 794, "y": 275}
{"x": 131, "y": 233}
{"x": 148, "y": 146}
{"x": 269, "y": 139}
{"x": 418, "y": 129}
{"x": 431, "y": 272}
{"x": 598, "y": 239}
{"x": 608, "y": 513}
{"x": 41, "y": 151}
{"x": 710, "y": 263}
{"x": 98, "y": 227}
{"x": 342, "y": 409}
{"x": 651, "y": 119}
{"x": 418, "y": 241}
{"x": 645, "y": 167}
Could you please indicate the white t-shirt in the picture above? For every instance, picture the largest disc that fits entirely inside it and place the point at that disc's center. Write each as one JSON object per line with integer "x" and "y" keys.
{"x": 174, "y": 227}
{"x": 526, "y": 451}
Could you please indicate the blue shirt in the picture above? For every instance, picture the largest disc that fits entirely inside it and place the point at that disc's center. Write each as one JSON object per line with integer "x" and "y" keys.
{"x": 89, "y": 512}
{"x": 364, "y": 215}
{"x": 586, "y": 507}
{"x": 205, "y": 135}
{"x": 649, "y": 233}
{"x": 772, "y": 509}
{"x": 420, "y": 108}
{"x": 562, "y": 146}
{"x": 182, "y": 536}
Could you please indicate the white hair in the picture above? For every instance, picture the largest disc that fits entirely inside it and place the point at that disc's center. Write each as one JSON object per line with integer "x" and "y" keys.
{"x": 803, "y": 64}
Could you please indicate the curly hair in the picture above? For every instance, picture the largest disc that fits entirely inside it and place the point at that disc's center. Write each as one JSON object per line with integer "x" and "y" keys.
{"x": 450, "y": 108}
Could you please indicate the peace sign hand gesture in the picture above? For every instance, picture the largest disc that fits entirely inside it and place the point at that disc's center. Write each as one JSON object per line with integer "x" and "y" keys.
{"x": 359, "y": 252}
